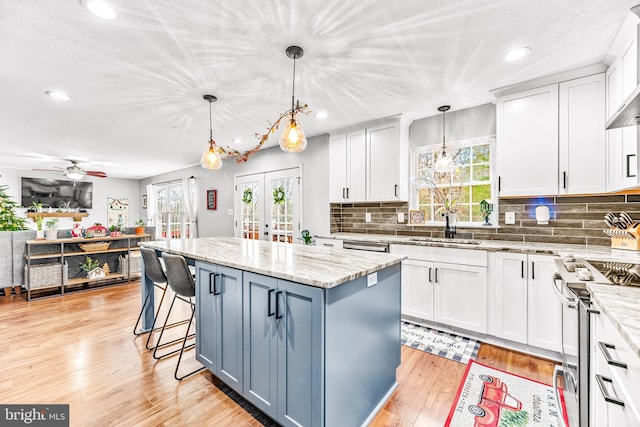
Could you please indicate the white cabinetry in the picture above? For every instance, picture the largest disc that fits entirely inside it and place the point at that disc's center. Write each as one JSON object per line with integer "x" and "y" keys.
{"x": 526, "y": 310}
{"x": 551, "y": 140}
{"x": 622, "y": 143}
{"x": 370, "y": 164}
{"x": 437, "y": 287}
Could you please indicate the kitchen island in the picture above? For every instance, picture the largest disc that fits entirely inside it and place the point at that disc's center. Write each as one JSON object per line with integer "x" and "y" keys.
{"x": 309, "y": 335}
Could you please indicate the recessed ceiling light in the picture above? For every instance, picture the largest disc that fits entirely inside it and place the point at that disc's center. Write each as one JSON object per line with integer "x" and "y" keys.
{"x": 100, "y": 8}
{"x": 58, "y": 95}
{"x": 236, "y": 141}
{"x": 516, "y": 54}
{"x": 321, "y": 114}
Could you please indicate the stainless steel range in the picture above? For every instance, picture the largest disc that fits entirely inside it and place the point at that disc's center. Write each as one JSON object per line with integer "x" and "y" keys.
{"x": 570, "y": 286}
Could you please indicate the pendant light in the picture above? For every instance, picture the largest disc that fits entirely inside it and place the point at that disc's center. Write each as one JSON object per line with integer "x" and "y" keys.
{"x": 293, "y": 139}
{"x": 445, "y": 161}
{"x": 211, "y": 157}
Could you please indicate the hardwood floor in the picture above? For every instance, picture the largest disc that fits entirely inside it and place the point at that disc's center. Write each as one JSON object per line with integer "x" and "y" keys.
{"x": 79, "y": 349}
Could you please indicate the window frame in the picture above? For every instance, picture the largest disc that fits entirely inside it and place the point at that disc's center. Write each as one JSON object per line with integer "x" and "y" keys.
{"x": 416, "y": 151}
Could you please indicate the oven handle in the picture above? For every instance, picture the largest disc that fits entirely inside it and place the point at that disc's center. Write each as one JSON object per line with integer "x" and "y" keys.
{"x": 557, "y": 370}
{"x": 570, "y": 303}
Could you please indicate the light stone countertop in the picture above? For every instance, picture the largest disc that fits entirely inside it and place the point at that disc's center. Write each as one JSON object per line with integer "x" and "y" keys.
{"x": 620, "y": 304}
{"x": 310, "y": 265}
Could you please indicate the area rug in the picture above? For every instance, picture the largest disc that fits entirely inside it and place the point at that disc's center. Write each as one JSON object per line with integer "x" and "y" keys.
{"x": 453, "y": 347}
{"x": 491, "y": 397}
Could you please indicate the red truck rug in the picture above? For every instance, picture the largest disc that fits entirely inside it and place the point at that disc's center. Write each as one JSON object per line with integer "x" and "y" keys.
{"x": 491, "y": 397}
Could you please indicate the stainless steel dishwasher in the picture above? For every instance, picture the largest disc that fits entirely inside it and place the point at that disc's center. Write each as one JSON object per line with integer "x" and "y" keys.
{"x": 366, "y": 246}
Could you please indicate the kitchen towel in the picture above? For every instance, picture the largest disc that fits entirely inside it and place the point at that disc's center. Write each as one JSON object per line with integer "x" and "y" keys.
{"x": 491, "y": 397}
{"x": 453, "y": 347}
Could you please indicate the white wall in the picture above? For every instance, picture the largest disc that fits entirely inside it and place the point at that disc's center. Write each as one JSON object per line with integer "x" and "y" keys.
{"x": 314, "y": 162}
{"x": 102, "y": 188}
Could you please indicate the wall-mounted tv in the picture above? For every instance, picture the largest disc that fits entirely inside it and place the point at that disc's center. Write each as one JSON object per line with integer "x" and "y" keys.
{"x": 57, "y": 193}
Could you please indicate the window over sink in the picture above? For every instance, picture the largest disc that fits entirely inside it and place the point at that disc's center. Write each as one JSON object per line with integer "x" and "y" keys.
{"x": 459, "y": 191}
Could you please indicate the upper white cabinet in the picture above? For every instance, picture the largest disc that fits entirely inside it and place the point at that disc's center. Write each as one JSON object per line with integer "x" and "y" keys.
{"x": 622, "y": 143}
{"x": 371, "y": 164}
{"x": 582, "y": 135}
{"x": 527, "y": 142}
{"x": 551, "y": 140}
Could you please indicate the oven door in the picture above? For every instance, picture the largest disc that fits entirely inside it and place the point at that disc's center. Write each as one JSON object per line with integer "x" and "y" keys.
{"x": 569, "y": 351}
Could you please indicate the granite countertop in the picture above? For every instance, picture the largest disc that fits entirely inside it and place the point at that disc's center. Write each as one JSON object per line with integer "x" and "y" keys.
{"x": 620, "y": 305}
{"x": 596, "y": 253}
{"x": 316, "y": 266}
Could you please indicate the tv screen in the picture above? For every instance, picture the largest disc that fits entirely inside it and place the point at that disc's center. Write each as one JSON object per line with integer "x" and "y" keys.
{"x": 57, "y": 193}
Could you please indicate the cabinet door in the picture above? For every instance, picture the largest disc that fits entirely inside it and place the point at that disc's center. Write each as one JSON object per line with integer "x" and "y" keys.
{"x": 205, "y": 316}
{"x": 260, "y": 342}
{"x": 460, "y": 296}
{"x": 228, "y": 312}
{"x": 544, "y": 309}
{"x": 582, "y": 135}
{"x": 417, "y": 289}
{"x": 527, "y": 142}
{"x": 510, "y": 297}
{"x": 298, "y": 314}
{"x": 613, "y": 79}
{"x": 338, "y": 168}
{"x": 356, "y": 170}
{"x": 383, "y": 163}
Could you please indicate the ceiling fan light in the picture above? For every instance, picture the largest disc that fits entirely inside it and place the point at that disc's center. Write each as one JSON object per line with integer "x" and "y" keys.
{"x": 210, "y": 158}
{"x": 100, "y": 8}
{"x": 293, "y": 139}
{"x": 75, "y": 174}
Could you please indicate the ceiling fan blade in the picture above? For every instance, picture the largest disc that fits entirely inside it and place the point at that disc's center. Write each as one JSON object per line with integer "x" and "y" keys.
{"x": 96, "y": 174}
{"x": 48, "y": 170}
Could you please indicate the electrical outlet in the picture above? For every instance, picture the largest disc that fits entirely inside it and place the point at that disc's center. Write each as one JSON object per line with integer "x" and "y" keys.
{"x": 400, "y": 216}
{"x": 372, "y": 279}
{"x": 509, "y": 217}
{"x": 367, "y": 217}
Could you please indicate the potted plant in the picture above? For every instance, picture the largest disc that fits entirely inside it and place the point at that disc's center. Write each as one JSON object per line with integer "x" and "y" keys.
{"x": 51, "y": 233}
{"x": 38, "y": 218}
{"x": 114, "y": 230}
{"x": 14, "y": 225}
{"x": 140, "y": 225}
{"x": 92, "y": 268}
{"x": 306, "y": 237}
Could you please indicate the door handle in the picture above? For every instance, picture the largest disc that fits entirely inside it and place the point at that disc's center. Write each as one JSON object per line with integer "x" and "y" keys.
{"x": 212, "y": 283}
{"x": 429, "y": 274}
{"x": 499, "y": 182}
{"x": 215, "y": 284}
{"x": 395, "y": 190}
{"x": 604, "y": 348}
{"x": 522, "y": 269}
{"x": 533, "y": 270}
{"x": 344, "y": 193}
{"x": 564, "y": 179}
{"x": 436, "y": 275}
{"x": 278, "y": 315}
{"x": 605, "y": 393}
{"x": 347, "y": 192}
{"x": 269, "y": 312}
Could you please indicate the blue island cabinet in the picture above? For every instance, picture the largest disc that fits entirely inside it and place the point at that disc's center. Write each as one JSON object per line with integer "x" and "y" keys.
{"x": 219, "y": 322}
{"x": 283, "y": 349}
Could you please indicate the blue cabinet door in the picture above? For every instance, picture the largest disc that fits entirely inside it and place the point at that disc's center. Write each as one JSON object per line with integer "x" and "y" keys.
{"x": 228, "y": 325}
{"x": 299, "y": 320}
{"x": 205, "y": 315}
{"x": 260, "y": 342}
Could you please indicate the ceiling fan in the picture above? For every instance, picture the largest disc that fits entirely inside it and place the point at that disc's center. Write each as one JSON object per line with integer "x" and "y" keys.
{"x": 74, "y": 171}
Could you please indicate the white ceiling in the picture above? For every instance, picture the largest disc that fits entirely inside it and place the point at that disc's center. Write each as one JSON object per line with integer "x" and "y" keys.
{"x": 137, "y": 82}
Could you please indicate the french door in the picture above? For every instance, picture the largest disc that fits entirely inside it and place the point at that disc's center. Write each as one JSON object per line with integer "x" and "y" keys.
{"x": 267, "y": 206}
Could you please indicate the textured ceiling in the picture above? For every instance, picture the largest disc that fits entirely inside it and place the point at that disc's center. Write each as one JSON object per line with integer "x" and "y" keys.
{"x": 137, "y": 82}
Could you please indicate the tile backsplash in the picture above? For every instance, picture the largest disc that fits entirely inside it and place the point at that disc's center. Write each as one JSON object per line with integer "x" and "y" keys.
{"x": 573, "y": 219}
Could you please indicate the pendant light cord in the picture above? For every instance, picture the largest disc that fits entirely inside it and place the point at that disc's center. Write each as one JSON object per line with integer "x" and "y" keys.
{"x": 443, "y": 143}
{"x": 293, "y": 92}
{"x": 210, "y": 124}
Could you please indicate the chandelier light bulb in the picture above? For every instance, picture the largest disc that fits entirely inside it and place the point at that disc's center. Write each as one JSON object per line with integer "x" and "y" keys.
{"x": 210, "y": 158}
{"x": 293, "y": 138}
{"x": 444, "y": 163}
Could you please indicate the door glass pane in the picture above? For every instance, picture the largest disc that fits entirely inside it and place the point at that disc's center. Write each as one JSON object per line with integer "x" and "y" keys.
{"x": 282, "y": 210}
{"x": 250, "y": 219}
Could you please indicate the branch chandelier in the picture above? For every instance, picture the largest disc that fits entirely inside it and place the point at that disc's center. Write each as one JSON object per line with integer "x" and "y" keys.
{"x": 292, "y": 139}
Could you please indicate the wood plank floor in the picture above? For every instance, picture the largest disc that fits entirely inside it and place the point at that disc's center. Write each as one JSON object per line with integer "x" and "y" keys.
{"x": 79, "y": 349}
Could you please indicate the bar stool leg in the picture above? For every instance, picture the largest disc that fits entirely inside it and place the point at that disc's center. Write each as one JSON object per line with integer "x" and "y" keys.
{"x": 175, "y": 374}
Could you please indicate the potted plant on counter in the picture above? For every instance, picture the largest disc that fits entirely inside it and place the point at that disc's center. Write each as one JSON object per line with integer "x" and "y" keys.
{"x": 114, "y": 231}
{"x": 140, "y": 225}
{"x": 51, "y": 233}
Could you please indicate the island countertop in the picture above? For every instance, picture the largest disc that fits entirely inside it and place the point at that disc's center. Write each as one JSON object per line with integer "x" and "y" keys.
{"x": 310, "y": 265}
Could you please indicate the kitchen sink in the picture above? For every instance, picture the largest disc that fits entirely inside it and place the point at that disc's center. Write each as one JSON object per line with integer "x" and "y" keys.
{"x": 443, "y": 240}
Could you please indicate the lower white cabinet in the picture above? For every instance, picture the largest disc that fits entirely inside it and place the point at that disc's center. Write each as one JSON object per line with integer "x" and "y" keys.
{"x": 526, "y": 309}
{"x": 417, "y": 289}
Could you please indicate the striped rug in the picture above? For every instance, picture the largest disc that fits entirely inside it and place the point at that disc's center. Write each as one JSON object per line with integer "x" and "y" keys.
{"x": 443, "y": 344}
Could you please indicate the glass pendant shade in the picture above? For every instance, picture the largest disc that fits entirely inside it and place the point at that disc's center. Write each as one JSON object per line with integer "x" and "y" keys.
{"x": 293, "y": 139}
{"x": 444, "y": 163}
{"x": 210, "y": 158}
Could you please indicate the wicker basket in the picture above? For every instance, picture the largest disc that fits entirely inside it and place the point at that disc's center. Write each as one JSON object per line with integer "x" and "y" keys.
{"x": 136, "y": 263}
{"x": 93, "y": 247}
{"x": 46, "y": 275}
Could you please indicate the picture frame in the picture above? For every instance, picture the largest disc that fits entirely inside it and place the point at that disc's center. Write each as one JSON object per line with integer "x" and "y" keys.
{"x": 212, "y": 200}
{"x": 417, "y": 216}
{"x": 144, "y": 201}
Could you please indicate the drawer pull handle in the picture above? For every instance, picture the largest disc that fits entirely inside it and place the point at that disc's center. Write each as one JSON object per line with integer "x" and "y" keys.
{"x": 604, "y": 348}
{"x": 605, "y": 393}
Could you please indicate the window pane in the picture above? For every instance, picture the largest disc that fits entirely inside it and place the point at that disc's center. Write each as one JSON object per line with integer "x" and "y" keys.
{"x": 461, "y": 174}
{"x": 477, "y": 216}
{"x": 480, "y": 192}
{"x": 481, "y": 172}
{"x": 481, "y": 153}
{"x": 461, "y": 156}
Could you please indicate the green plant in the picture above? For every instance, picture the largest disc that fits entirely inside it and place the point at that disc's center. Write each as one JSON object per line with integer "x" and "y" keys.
{"x": 37, "y": 209}
{"x": 90, "y": 264}
{"x": 247, "y": 196}
{"x": 51, "y": 224}
{"x": 306, "y": 237}
{"x": 9, "y": 220}
{"x": 114, "y": 228}
{"x": 278, "y": 195}
{"x": 140, "y": 223}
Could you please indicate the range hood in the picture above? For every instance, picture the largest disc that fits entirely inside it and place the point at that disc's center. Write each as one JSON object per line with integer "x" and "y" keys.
{"x": 629, "y": 112}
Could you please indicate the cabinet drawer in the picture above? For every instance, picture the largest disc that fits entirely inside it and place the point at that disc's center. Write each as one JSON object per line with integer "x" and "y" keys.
{"x": 329, "y": 243}
{"x": 474, "y": 257}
